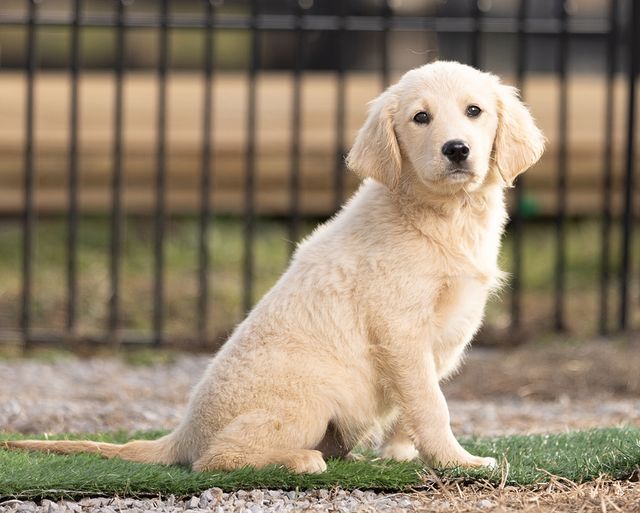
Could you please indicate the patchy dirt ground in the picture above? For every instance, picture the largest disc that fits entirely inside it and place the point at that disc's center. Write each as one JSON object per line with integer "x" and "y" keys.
{"x": 543, "y": 387}
{"x": 553, "y": 386}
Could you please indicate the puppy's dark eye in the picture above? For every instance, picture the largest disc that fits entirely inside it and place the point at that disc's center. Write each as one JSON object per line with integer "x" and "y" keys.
{"x": 473, "y": 111}
{"x": 422, "y": 118}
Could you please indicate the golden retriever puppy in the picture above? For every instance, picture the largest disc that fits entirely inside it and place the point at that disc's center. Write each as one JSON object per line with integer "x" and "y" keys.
{"x": 378, "y": 304}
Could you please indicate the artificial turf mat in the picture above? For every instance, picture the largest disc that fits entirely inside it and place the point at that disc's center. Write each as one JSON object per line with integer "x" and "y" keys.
{"x": 577, "y": 456}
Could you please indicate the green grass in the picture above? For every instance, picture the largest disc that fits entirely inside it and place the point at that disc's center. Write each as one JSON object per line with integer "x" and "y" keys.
{"x": 180, "y": 273}
{"x": 577, "y": 456}
{"x": 271, "y": 257}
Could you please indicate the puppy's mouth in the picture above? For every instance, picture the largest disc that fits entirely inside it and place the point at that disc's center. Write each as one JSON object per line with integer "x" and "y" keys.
{"x": 459, "y": 173}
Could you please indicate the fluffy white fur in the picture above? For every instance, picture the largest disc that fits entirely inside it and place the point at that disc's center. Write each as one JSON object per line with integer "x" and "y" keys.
{"x": 377, "y": 305}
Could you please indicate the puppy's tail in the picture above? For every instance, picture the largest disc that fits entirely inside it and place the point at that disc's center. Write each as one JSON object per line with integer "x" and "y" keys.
{"x": 143, "y": 451}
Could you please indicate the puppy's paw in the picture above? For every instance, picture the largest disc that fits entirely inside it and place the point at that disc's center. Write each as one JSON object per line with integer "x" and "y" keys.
{"x": 466, "y": 461}
{"x": 480, "y": 462}
{"x": 399, "y": 452}
{"x": 305, "y": 462}
{"x": 490, "y": 463}
{"x": 355, "y": 456}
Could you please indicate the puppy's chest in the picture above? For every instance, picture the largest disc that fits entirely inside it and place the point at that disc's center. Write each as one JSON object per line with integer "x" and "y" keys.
{"x": 455, "y": 297}
{"x": 459, "y": 301}
{"x": 456, "y": 316}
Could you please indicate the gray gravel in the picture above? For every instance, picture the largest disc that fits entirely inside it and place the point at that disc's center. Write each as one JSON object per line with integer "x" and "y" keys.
{"x": 106, "y": 394}
{"x": 254, "y": 501}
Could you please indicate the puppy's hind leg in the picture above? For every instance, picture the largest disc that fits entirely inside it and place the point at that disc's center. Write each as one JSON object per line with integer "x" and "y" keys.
{"x": 259, "y": 438}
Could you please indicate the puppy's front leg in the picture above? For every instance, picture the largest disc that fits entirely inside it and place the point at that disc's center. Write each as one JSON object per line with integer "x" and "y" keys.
{"x": 413, "y": 377}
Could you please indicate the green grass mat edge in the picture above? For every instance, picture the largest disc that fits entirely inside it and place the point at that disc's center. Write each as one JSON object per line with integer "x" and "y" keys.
{"x": 525, "y": 460}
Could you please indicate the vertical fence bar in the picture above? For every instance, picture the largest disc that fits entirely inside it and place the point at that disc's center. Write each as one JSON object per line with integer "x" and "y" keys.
{"x": 384, "y": 58}
{"x": 161, "y": 177}
{"x": 607, "y": 179}
{"x": 517, "y": 223}
{"x": 338, "y": 174}
{"x": 28, "y": 216}
{"x": 249, "y": 204}
{"x": 205, "y": 178}
{"x": 296, "y": 125}
{"x": 633, "y": 36}
{"x": 476, "y": 35}
{"x": 72, "y": 215}
{"x": 561, "y": 184}
{"x": 116, "y": 182}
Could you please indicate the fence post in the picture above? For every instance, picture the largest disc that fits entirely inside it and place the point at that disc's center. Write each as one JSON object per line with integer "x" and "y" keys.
{"x": 161, "y": 178}
{"x": 517, "y": 222}
{"x": 607, "y": 182}
{"x": 633, "y": 37}
{"x": 28, "y": 217}
{"x": 205, "y": 178}
{"x": 248, "y": 269}
{"x": 72, "y": 215}
{"x": 561, "y": 199}
{"x": 115, "y": 243}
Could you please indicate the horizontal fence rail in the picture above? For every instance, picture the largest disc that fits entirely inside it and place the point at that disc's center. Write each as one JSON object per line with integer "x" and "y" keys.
{"x": 191, "y": 154}
{"x": 315, "y": 22}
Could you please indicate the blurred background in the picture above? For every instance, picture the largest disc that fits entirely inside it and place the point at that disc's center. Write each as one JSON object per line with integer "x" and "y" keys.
{"x": 160, "y": 159}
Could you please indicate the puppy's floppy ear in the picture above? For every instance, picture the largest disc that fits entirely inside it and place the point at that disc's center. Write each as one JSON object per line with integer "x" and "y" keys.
{"x": 519, "y": 143}
{"x": 375, "y": 152}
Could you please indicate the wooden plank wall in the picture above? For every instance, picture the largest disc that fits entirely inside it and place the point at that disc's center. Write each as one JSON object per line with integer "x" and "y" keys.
{"x": 185, "y": 91}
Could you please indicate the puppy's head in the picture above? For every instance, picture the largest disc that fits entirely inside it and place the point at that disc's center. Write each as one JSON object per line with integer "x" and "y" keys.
{"x": 449, "y": 125}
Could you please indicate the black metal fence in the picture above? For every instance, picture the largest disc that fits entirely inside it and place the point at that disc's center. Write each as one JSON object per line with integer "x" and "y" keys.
{"x": 606, "y": 39}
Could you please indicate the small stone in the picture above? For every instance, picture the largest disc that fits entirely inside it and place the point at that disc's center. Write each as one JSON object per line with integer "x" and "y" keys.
{"x": 485, "y": 503}
{"x": 214, "y": 495}
{"x": 193, "y": 503}
{"x": 257, "y": 496}
{"x": 73, "y": 506}
{"x": 49, "y": 506}
{"x": 291, "y": 495}
{"x": 205, "y": 499}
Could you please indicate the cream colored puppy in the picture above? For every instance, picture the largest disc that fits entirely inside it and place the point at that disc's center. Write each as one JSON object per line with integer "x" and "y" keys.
{"x": 378, "y": 304}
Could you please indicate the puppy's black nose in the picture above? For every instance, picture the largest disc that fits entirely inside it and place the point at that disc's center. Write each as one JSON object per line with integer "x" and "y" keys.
{"x": 455, "y": 150}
